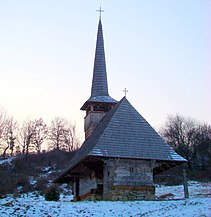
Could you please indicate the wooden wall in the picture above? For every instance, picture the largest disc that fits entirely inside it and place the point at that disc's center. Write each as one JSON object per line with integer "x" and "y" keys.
{"x": 128, "y": 180}
{"x": 123, "y": 179}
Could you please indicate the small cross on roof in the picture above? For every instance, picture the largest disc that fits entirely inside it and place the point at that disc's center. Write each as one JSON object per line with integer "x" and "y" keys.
{"x": 125, "y": 91}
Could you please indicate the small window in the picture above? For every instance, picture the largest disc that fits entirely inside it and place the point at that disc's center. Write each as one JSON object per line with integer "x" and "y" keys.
{"x": 108, "y": 173}
{"x": 131, "y": 170}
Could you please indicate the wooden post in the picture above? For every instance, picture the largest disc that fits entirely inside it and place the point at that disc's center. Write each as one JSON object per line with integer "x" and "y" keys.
{"x": 186, "y": 194}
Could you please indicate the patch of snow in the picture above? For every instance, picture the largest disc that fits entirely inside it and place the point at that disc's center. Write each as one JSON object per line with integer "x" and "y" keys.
{"x": 46, "y": 169}
{"x": 46, "y": 172}
{"x": 7, "y": 160}
{"x": 32, "y": 180}
{"x": 196, "y": 189}
{"x": 19, "y": 188}
{"x": 97, "y": 151}
{"x": 65, "y": 189}
{"x": 66, "y": 198}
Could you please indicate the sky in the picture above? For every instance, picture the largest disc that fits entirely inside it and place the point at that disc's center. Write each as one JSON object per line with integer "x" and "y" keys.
{"x": 159, "y": 50}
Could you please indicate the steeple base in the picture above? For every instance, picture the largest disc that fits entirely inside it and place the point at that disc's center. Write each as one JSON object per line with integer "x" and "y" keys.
{"x": 91, "y": 121}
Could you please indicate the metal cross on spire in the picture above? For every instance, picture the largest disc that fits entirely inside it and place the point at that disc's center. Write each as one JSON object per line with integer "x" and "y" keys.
{"x": 125, "y": 91}
{"x": 100, "y": 11}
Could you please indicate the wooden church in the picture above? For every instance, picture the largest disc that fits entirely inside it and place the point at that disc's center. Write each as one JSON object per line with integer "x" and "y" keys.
{"x": 121, "y": 152}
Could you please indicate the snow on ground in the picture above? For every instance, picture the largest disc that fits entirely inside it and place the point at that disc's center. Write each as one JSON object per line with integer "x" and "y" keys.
{"x": 196, "y": 189}
{"x": 33, "y": 205}
{"x": 6, "y": 160}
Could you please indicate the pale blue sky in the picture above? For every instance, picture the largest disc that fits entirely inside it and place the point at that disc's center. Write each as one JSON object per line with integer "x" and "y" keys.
{"x": 158, "y": 49}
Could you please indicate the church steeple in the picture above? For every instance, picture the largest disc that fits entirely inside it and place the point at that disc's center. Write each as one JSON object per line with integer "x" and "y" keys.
{"x": 99, "y": 102}
{"x": 99, "y": 81}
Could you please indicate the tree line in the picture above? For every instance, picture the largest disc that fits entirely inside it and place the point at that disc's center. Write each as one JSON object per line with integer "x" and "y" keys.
{"x": 189, "y": 138}
{"x": 32, "y": 135}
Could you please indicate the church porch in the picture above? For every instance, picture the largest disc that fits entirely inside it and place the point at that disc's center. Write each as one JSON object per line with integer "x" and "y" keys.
{"x": 88, "y": 183}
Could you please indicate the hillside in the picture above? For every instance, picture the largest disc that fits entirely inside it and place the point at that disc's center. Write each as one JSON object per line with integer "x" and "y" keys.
{"x": 35, "y": 172}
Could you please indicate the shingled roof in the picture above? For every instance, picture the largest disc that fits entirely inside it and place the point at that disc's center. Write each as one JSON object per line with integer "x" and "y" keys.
{"x": 99, "y": 91}
{"x": 124, "y": 133}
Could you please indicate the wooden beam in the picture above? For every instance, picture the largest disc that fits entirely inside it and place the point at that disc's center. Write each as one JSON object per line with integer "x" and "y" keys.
{"x": 135, "y": 188}
{"x": 185, "y": 184}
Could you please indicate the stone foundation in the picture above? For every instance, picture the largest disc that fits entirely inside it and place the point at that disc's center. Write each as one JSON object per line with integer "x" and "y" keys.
{"x": 122, "y": 193}
{"x": 129, "y": 193}
{"x": 93, "y": 195}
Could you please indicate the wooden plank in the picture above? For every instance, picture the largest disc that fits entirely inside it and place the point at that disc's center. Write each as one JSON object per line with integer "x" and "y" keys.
{"x": 136, "y": 188}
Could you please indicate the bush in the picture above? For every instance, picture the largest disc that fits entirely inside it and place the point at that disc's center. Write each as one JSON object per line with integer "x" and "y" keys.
{"x": 52, "y": 194}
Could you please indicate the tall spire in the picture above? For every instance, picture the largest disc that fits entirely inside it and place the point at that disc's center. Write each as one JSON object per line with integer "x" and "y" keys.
{"x": 99, "y": 81}
{"x": 99, "y": 90}
{"x": 100, "y": 102}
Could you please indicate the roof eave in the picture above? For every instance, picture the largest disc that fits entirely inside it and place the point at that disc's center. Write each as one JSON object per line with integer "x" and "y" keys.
{"x": 72, "y": 168}
{"x": 99, "y": 99}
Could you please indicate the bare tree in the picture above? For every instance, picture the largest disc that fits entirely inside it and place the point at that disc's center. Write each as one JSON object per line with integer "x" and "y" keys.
{"x": 62, "y": 135}
{"x": 40, "y": 131}
{"x": 56, "y": 133}
{"x": 203, "y": 147}
{"x": 71, "y": 138}
{"x": 9, "y": 135}
{"x": 3, "y": 118}
{"x": 26, "y": 136}
{"x": 2, "y": 122}
{"x": 185, "y": 135}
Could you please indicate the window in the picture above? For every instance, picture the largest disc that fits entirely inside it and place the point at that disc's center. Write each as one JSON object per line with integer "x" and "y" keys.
{"x": 132, "y": 170}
